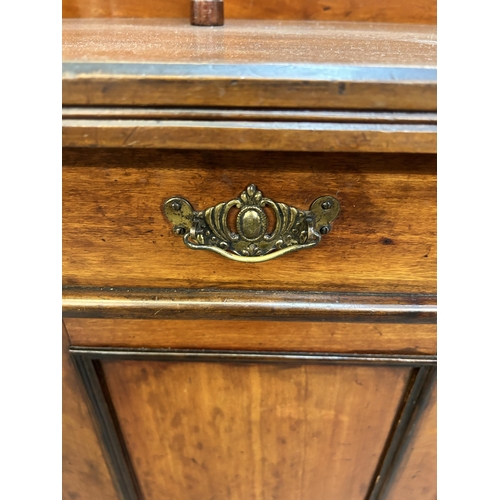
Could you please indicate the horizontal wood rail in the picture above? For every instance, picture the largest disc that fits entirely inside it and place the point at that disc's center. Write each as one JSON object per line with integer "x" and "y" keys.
{"x": 259, "y": 305}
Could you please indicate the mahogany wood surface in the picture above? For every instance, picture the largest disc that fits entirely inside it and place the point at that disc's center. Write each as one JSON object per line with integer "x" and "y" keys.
{"x": 103, "y": 85}
{"x": 254, "y": 335}
{"x": 85, "y": 475}
{"x": 262, "y": 129}
{"x": 386, "y": 11}
{"x": 115, "y": 234}
{"x": 263, "y": 305}
{"x": 416, "y": 476}
{"x": 254, "y": 431}
{"x": 315, "y": 65}
{"x": 266, "y": 305}
{"x": 262, "y": 136}
{"x": 246, "y": 42}
{"x": 155, "y": 108}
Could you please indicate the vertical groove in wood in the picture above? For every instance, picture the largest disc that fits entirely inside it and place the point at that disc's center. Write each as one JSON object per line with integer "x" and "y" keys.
{"x": 413, "y": 403}
{"x": 86, "y": 473}
{"x": 407, "y": 415}
{"x": 415, "y": 477}
{"x": 120, "y": 465}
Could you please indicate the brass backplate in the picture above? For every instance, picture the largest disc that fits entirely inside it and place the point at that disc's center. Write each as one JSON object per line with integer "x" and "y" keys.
{"x": 253, "y": 240}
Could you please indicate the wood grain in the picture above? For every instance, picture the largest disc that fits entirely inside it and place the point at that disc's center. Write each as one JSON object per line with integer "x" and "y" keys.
{"x": 167, "y": 62}
{"x": 176, "y": 41}
{"x": 254, "y": 335}
{"x": 416, "y": 477}
{"x": 386, "y": 11}
{"x": 115, "y": 235}
{"x": 263, "y": 305}
{"x": 85, "y": 475}
{"x": 254, "y": 431}
{"x": 98, "y": 86}
{"x": 261, "y": 136}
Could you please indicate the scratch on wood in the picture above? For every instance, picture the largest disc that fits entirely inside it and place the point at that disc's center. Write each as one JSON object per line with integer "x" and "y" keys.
{"x": 126, "y": 141}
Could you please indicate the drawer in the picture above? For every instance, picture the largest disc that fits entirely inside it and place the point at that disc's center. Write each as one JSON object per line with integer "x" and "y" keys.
{"x": 115, "y": 233}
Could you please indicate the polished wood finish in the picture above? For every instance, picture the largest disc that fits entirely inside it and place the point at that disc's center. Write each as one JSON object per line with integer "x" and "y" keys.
{"x": 115, "y": 235}
{"x": 239, "y": 431}
{"x": 416, "y": 476}
{"x": 254, "y": 335}
{"x": 85, "y": 475}
{"x": 246, "y": 42}
{"x": 288, "y": 130}
{"x": 249, "y": 64}
{"x": 103, "y": 85}
{"x": 269, "y": 305}
{"x": 302, "y": 377}
{"x": 385, "y": 11}
{"x": 261, "y": 136}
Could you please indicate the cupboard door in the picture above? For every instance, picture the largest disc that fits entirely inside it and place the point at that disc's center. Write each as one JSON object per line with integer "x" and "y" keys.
{"x": 416, "y": 476}
{"x": 242, "y": 431}
{"x": 85, "y": 475}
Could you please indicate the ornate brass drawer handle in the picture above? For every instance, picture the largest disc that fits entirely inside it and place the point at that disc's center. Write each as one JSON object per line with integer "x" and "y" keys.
{"x": 294, "y": 229}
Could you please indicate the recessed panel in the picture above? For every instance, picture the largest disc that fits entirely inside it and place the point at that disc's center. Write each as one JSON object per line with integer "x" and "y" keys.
{"x": 228, "y": 431}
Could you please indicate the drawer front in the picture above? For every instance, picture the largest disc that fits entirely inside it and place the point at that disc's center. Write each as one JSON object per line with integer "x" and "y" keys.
{"x": 115, "y": 233}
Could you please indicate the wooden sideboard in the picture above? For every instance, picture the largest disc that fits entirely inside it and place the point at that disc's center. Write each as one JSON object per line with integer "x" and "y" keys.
{"x": 193, "y": 372}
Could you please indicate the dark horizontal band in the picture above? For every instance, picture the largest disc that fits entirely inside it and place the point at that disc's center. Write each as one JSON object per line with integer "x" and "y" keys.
{"x": 246, "y": 115}
{"x": 252, "y": 357}
{"x": 257, "y": 305}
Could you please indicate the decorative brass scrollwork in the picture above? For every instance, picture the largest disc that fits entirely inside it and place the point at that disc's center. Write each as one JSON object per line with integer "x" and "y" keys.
{"x": 294, "y": 229}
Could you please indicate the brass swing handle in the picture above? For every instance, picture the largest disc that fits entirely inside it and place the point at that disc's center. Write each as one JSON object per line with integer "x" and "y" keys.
{"x": 295, "y": 229}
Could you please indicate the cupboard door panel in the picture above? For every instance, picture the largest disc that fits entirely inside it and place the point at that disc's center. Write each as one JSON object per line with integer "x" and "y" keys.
{"x": 85, "y": 475}
{"x": 200, "y": 430}
{"x": 416, "y": 477}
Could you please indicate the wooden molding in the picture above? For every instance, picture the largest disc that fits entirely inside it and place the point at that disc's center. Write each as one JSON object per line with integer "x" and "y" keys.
{"x": 261, "y": 305}
{"x": 261, "y": 136}
{"x": 249, "y": 64}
